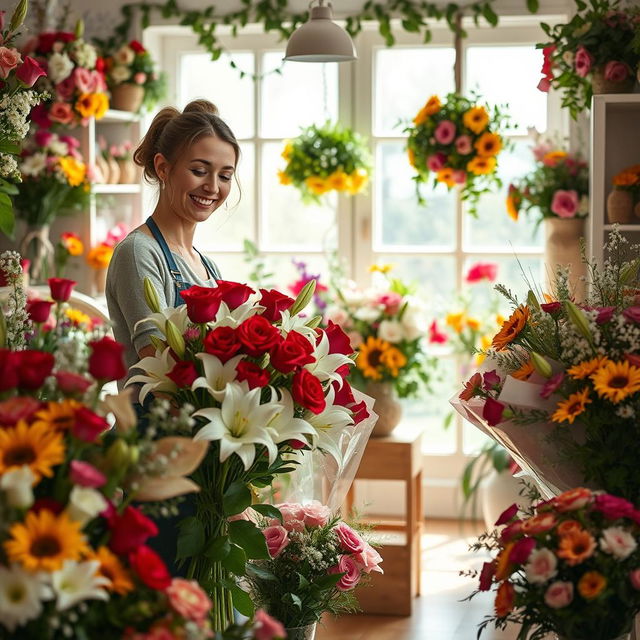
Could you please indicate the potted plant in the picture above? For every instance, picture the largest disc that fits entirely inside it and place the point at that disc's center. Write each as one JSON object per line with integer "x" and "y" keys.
{"x": 624, "y": 199}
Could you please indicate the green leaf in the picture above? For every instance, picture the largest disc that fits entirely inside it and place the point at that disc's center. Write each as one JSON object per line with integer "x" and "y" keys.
{"x": 292, "y": 599}
{"x": 241, "y": 600}
{"x": 7, "y": 219}
{"x": 489, "y": 14}
{"x": 327, "y": 582}
{"x": 236, "y": 498}
{"x": 190, "y": 538}
{"x": 9, "y": 147}
{"x": 267, "y": 510}
{"x": 218, "y": 548}
{"x": 250, "y": 538}
{"x": 235, "y": 561}
{"x": 533, "y": 6}
{"x": 255, "y": 571}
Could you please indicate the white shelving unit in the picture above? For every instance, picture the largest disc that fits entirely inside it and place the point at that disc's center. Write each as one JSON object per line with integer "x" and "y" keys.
{"x": 615, "y": 144}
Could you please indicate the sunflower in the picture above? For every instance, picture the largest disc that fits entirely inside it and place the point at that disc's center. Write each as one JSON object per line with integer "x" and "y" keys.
{"x": 481, "y": 166}
{"x": 476, "y": 119}
{"x": 36, "y": 446}
{"x": 78, "y": 318}
{"x": 357, "y": 181}
{"x": 616, "y": 380}
{"x": 513, "y": 202}
{"x": 284, "y": 177}
{"x": 591, "y": 585}
{"x": 524, "y": 372}
{"x": 88, "y": 104}
{"x": 111, "y": 568}
{"x": 101, "y": 105}
{"x": 338, "y": 180}
{"x": 412, "y": 157}
{"x": 316, "y": 185}
{"x": 584, "y": 369}
{"x": 572, "y": 407}
{"x": 369, "y": 359}
{"x": 575, "y": 546}
{"x": 44, "y": 541}
{"x": 74, "y": 170}
{"x": 488, "y": 144}
{"x": 394, "y": 360}
{"x": 433, "y": 105}
{"x": 58, "y": 416}
{"x": 511, "y": 328}
{"x": 421, "y": 117}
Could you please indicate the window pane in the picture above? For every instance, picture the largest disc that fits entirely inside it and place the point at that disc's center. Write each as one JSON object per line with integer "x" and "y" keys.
{"x": 288, "y": 224}
{"x": 493, "y": 227}
{"x": 472, "y": 438}
{"x": 301, "y": 95}
{"x": 510, "y": 75}
{"x": 404, "y": 80}
{"x": 201, "y": 77}
{"x": 400, "y": 220}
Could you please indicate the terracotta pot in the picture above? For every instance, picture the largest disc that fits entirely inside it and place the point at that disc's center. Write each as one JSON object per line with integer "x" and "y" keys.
{"x": 128, "y": 171}
{"x": 387, "y": 407}
{"x": 127, "y": 97}
{"x": 114, "y": 171}
{"x": 600, "y": 85}
{"x": 562, "y": 247}
{"x": 620, "y": 206}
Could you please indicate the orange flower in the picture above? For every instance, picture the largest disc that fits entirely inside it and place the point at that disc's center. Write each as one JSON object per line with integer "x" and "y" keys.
{"x": 72, "y": 243}
{"x": 591, "y": 585}
{"x": 572, "y": 407}
{"x": 539, "y": 524}
{"x": 88, "y": 104}
{"x": 111, "y": 568}
{"x": 625, "y": 179}
{"x": 524, "y": 372}
{"x": 567, "y": 526}
{"x": 100, "y": 256}
{"x": 514, "y": 200}
{"x": 505, "y": 599}
{"x": 576, "y": 546}
{"x": 573, "y": 499}
{"x": 412, "y": 157}
{"x": 446, "y": 175}
{"x": 504, "y": 568}
{"x": 473, "y": 384}
{"x": 481, "y": 166}
{"x": 585, "y": 369}
{"x": 552, "y": 158}
{"x": 432, "y": 106}
{"x": 488, "y": 144}
{"x": 511, "y": 328}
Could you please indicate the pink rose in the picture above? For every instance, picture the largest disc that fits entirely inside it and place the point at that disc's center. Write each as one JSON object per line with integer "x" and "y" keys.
{"x": 86, "y": 475}
{"x": 66, "y": 89}
{"x": 552, "y": 385}
{"x": 316, "y": 514}
{"x": 459, "y": 176}
{"x": 266, "y": 627}
{"x": 565, "y": 203}
{"x": 436, "y": 161}
{"x": 61, "y": 112}
{"x": 463, "y": 145}
{"x": 583, "y": 62}
{"x": 634, "y": 577}
{"x": 615, "y": 71}
{"x": 612, "y": 507}
{"x": 189, "y": 600}
{"x": 292, "y": 516}
{"x": 445, "y": 132}
{"x": 369, "y": 559}
{"x": 29, "y": 71}
{"x": 350, "y": 540}
{"x": 351, "y": 577}
{"x": 559, "y": 594}
{"x": 392, "y": 302}
{"x": 277, "y": 538}
{"x": 71, "y": 383}
{"x": 140, "y": 77}
{"x": 9, "y": 60}
{"x": 542, "y": 566}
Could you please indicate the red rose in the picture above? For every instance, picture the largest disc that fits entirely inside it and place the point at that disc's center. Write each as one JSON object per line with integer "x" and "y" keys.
{"x": 257, "y": 335}
{"x": 61, "y": 288}
{"x": 274, "y": 302}
{"x": 294, "y": 351}
{"x": 359, "y": 411}
{"x": 29, "y": 71}
{"x": 33, "y": 368}
{"x": 38, "y": 310}
{"x": 45, "y": 42}
{"x": 100, "y": 66}
{"x": 202, "y": 303}
{"x": 338, "y": 340}
{"x": 47, "y": 504}
{"x": 65, "y": 36}
{"x": 88, "y": 425}
{"x": 150, "y": 568}
{"x": 18, "y": 408}
{"x": 308, "y": 392}
{"x": 105, "y": 361}
{"x": 492, "y": 411}
{"x": 70, "y": 383}
{"x": 8, "y": 369}
{"x": 344, "y": 394}
{"x": 222, "y": 342}
{"x": 183, "y": 373}
{"x": 130, "y": 530}
{"x": 486, "y": 576}
{"x": 233, "y": 294}
{"x": 136, "y": 46}
{"x": 252, "y": 373}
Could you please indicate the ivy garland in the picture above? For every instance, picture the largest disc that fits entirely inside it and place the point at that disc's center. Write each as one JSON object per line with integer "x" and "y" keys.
{"x": 275, "y": 15}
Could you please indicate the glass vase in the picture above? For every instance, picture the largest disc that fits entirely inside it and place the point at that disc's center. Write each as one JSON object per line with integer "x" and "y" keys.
{"x": 307, "y": 632}
{"x": 36, "y": 246}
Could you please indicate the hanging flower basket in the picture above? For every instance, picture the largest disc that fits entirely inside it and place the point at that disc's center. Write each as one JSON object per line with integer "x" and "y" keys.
{"x": 326, "y": 158}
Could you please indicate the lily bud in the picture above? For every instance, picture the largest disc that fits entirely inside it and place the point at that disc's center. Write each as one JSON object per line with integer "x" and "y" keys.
{"x": 541, "y": 365}
{"x": 118, "y": 454}
{"x": 174, "y": 338}
{"x": 18, "y": 15}
{"x": 579, "y": 320}
{"x": 158, "y": 343}
{"x": 79, "y": 30}
{"x": 532, "y": 301}
{"x": 151, "y": 296}
{"x": 304, "y": 297}
{"x": 630, "y": 272}
{"x": 314, "y": 322}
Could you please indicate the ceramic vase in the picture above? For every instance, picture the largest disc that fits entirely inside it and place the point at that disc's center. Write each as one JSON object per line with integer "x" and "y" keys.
{"x": 619, "y": 207}
{"x": 307, "y": 632}
{"x": 114, "y": 171}
{"x": 562, "y": 247}
{"x": 127, "y": 97}
{"x": 387, "y": 407}
{"x": 127, "y": 171}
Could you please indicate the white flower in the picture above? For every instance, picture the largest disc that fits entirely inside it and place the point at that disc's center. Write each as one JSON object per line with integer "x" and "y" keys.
{"x": 391, "y": 331}
{"x": 291, "y": 323}
{"x": 541, "y": 566}
{"x": 216, "y": 374}
{"x": 240, "y": 424}
{"x": 78, "y": 581}
{"x": 84, "y": 53}
{"x": 85, "y": 504}
{"x": 367, "y": 314}
{"x": 326, "y": 364}
{"x": 119, "y": 73}
{"x": 20, "y": 596}
{"x": 177, "y": 315}
{"x": 60, "y": 67}
{"x": 284, "y": 426}
{"x": 17, "y": 485}
{"x": 568, "y": 56}
{"x": 124, "y": 55}
{"x": 34, "y": 164}
{"x": 618, "y": 542}
{"x": 156, "y": 369}
{"x": 59, "y": 148}
{"x": 227, "y": 318}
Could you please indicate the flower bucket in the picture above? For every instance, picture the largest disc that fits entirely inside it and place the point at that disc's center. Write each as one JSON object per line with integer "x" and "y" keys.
{"x": 562, "y": 247}
{"x": 307, "y": 632}
{"x": 127, "y": 97}
{"x": 128, "y": 171}
{"x": 599, "y": 84}
{"x": 387, "y": 407}
{"x": 619, "y": 206}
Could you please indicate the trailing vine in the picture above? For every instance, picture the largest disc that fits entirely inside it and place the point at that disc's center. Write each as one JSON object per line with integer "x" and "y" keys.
{"x": 276, "y": 16}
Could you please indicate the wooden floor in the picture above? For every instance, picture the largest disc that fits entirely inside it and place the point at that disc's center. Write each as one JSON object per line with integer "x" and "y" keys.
{"x": 439, "y": 613}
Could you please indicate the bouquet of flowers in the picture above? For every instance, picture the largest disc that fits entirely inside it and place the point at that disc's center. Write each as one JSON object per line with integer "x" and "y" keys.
{"x": 315, "y": 562}
{"x": 558, "y": 187}
{"x": 17, "y": 75}
{"x": 68, "y": 246}
{"x": 570, "y": 566}
{"x": 593, "y": 53}
{"x": 74, "y": 80}
{"x": 321, "y": 291}
{"x": 326, "y": 158}
{"x": 457, "y": 144}
{"x": 386, "y": 326}
{"x": 264, "y": 386}
{"x": 131, "y": 64}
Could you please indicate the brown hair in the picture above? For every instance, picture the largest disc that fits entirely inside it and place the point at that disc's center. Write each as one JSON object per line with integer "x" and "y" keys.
{"x": 171, "y": 132}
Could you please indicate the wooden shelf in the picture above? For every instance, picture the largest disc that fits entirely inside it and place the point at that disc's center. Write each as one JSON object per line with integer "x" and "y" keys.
{"x": 113, "y": 115}
{"x": 115, "y": 188}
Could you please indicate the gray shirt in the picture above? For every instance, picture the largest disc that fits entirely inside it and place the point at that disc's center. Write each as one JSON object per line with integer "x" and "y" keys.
{"x": 136, "y": 257}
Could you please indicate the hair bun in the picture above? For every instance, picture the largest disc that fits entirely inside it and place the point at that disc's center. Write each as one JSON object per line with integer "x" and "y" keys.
{"x": 201, "y": 106}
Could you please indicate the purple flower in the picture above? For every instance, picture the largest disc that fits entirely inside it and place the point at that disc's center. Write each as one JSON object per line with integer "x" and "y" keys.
{"x": 491, "y": 379}
{"x": 605, "y": 314}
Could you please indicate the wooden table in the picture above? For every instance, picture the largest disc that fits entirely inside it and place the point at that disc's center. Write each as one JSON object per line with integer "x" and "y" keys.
{"x": 395, "y": 458}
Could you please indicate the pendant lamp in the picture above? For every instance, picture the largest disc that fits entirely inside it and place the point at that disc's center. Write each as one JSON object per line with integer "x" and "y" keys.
{"x": 320, "y": 39}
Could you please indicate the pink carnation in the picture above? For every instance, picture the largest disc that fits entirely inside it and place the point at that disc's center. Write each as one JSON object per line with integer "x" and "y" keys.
{"x": 86, "y": 475}
{"x": 583, "y": 62}
{"x": 436, "y": 161}
{"x": 559, "y": 595}
{"x": 445, "y": 132}
{"x": 482, "y": 271}
{"x": 266, "y": 627}
{"x": 463, "y": 145}
{"x": 565, "y": 203}
{"x": 189, "y": 600}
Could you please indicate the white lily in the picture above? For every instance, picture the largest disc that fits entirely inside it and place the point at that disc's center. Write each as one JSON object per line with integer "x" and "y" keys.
{"x": 227, "y": 318}
{"x": 326, "y": 364}
{"x": 156, "y": 369}
{"x": 284, "y": 426}
{"x": 17, "y": 485}
{"x": 21, "y": 595}
{"x": 177, "y": 315}
{"x": 296, "y": 323}
{"x": 85, "y": 504}
{"x": 240, "y": 424}
{"x": 78, "y": 581}
{"x": 216, "y": 374}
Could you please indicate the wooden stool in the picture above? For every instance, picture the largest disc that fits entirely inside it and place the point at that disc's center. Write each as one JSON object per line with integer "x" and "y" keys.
{"x": 394, "y": 458}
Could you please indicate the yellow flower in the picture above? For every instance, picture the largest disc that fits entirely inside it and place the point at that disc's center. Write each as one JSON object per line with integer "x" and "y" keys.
{"x": 88, "y": 104}
{"x": 358, "y": 180}
{"x": 57, "y": 416}
{"x": 74, "y": 170}
{"x": 412, "y": 157}
{"x": 287, "y": 151}
{"x": 523, "y": 372}
{"x": 481, "y": 165}
{"x": 512, "y": 208}
{"x": 380, "y": 268}
{"x": 77, "y": 317}
{"x": 576, "y": 546}
{"x": 36, "y": 446}
{"x": 485, "y": 343}
{"x": 101, "y": 105}
{"x": 100, "y": 256}
{"x": 473, "y": 323}
{"x": 616, "y": 380}
{"x": 591, "y": 585}
{"x": 316, "y": 185}
{"x": 584, "y": 369}
{"x": 284, "y": 177}
{"x": 511, "y": 328}
{"x": 488, "y": 144}
{"x": 432, "y": 106}
{"x": 476, "y": 119}
{"x": 112, "y": 569}
{"x": 369, "y": 359}
{"x": 456, "y": 321}
{"x": 499, "y": 319}
{"x": 567, "y": 410}
{"x": 552, "y": 158}
{"x": 338, "y": 180}
{"x": 445, "y": 175}
{"x": 72, "y": 243}
{"x": 44, "y": 541}
{"x": 393, "y": 359}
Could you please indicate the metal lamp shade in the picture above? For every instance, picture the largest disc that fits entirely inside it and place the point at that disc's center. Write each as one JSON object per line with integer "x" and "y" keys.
{"x": 320, "y": 40}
